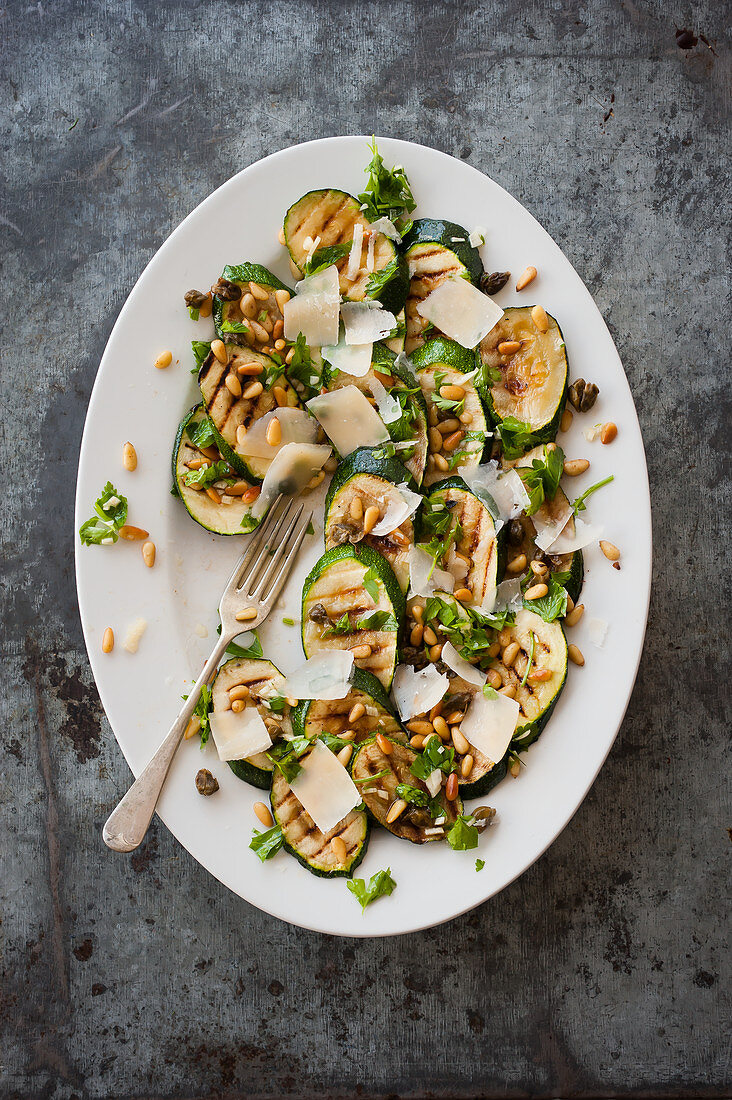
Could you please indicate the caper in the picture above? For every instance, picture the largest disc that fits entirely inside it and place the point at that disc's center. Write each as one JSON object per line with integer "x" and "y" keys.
{"x": 206, "y": 783}
{"x": 226, "y": 290}
{"x": 195, "y": 299}
{"x": 318, "y": 614}
{"x": 491, "y": 284}
{"x": 583, "y": 395}
{"x": 515, "y": 532}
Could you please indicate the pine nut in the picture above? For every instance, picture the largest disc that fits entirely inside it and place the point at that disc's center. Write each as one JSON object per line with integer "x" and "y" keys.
{"x": 504, "y": 637}
{"x": 249, "y": 370}
{"x": 279, "y": 344}
{"x": 494, "y": 679}
{"x": 282, "y": 297}
{"x": 355, "y": 509}
{"x": 357, "y": 711}
{"x": 435, "y": 439}
{"x": 246, "y": 614}
{"x": 515, "y": 769}
{"x": 536, "y": 591}
{"x": 264, "y": 814}
{"x": 508, "y": 347}
{"x": 610, "y": 551}
{"x": 466, "y": 418}
{"x": 204, "y": 310}
{"x": 528, "y": 277}
{"x": 316, "y": 481}
{"x": 417, "y": 612}
{"x": 238, "y": 488}
{"x": 340, "y": 851}
{"x": 361, "y": 652}
{"x": 540, "y": 675}
{"x": 575, "y": 655}
{"x": 460, "y": 741}
{"x": 280, "y": 395}
{"x": 213, "y": 495}
{"x": 574, "y": 616}
{"x": 452, "y": 441}
{"x": 397, "y": 808}
{"x": 248, "y": 306}
{"x": 441, "y": 727}
{"x": 164, "y": 360}
{"x": 259, "y": 331}
{"x": 219, "y": 349}
{"x": 347, "y": 735}
{"x": 452, "y": 393}
{"x": 415, "y": 638}
{"x": 445, "y": 427}
{"x": 148, "y": 554}
{"x": 517, "y": 565}
{"x": 331, "y": 464}
{"x": 241, "y": 434}
{"x": 539, "y": 569}
{"x": 540, "y": 319}
{"x": 370, "y": 518}
{"x": 510, "y": 654}
{"x": 420, "y": 725}
{"x": 432, "y": 416}
{"x": 253, "y": 391}
{"x": 573, "y": 467}
{"x": 570, "y": 603}
{"x": 278, "y": 330}
{"x": 241, "y": 691}
{"x": 345, "y": 754}
{"x": 441, "y": 463}
{"x": 551, "y": 446}
{"x": 129, "y": 457}
{"x": 238, "y": 706}
{"x": 416, "y": 742}
{"x": 608, "y": 432}
{"x": 451, "y": 787}
{"x": 494, "y": 649}
{"x": 274, "y": 432}
{"x": 455, "y": 718}
{"x": 233, "y": 385}
{"x": 464, "y": 595}
{"x": 259, "y": 292}
{"x": 430, "y": 638}
{"x": 466, "y": 766}
{"x": 192, "y": 728}
{"x": 108, "y": 640}
{"x": 435, "y": 652}
{"x": 384, "y": 744}
{"x": 566, "y": 422}
{"x": 198, "y": 463}
{"x": 250, "y": 495}
{"x": 509, "y": 691}
{"x": 436, "y": 709}
{"x": 132, "y": 534}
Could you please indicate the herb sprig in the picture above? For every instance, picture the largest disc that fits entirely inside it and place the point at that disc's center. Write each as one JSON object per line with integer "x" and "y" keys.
{"x": 111, "y": 514}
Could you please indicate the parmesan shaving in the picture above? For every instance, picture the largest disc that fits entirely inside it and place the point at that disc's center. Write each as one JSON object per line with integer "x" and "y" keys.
{"x": 289, "y": 472}
{"x": 314, "y": 311}
{"x": 433, "y": 782}
{"x": 389, "y": 408}
{"x": 461, "y": 311}
{"x": 502, "y": 492}
{"x": 417, "y": 692}
{"x": 424, "y": 576}
{"x": 348, "y": 419}
{"x": 324, "y": 676}
{"x": 400, "y": 506}
{"x": 353, "y": 359}
{"x": 597, "y": 629}
{"x": 370, "y": 252}
{"x": 461, "y": 667}
{"x": 489, "y": 724}
{"x": 239, "y": 735}
{"x": 584, "y": 534}
{"x": 387, "y": 228}
{"x": 477, "y": 237}
{"x": 134, "y": 633}
{"x": 324, "y": 788}
{"x": 366, "y": 323}
{"x": 354, "y": 256}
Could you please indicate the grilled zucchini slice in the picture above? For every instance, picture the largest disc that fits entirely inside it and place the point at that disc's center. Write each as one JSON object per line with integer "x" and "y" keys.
{"x": 435, "y": 250}
{"x": 441, "y": 362}
{"x": 228, "y": 412}
{"x": 479, "y": 543}
{"x": 379, "y": 795}
{"x": 362, "y": 477}
{"x": 533, "y": 380}
{"x": 232, "y": 515}
{"x": 264, "y": 680}
{"x": 536, "y": 699}
{"x": 227, "y": 314}
{"x": 315, "y": 716}
{"x": 304, "y": 840}
{"x": 334, "y": 589}
{"x": 328, "y": 217}
{"x": 396, "y": 377}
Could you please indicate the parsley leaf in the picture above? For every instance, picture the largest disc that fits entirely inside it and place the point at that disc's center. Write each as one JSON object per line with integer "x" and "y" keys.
{"x": 252, "y": 652}
{"x": 324, "y": 257}
{"x": 201, "y": 348}
{"x": 234, "y": 326}
{"x": 489, "y": 692}
{"x": 479, "y": 864}
{"x": 208, "y": 474}
{"x": 111, "y": 514}
{"x": 541, "y": 479}
{"x": 434, "y": 755}
{"x": 387, "y": 194}
{"x": 463, "y": 835}
{"x": 379, "y": 280}
{"x": 579, "y": 504}
{"x": 371, "y": 583}
{"x": 515, "y": 436}
{"x": 380, "y": 885}
{"x": 341, "y": 626}
{"x": 301, "y": 367}
{"x": 377, "y": 620}
{"x": 201, "y": 712}
{"x": 201, "y": 434}
{"x": 335, "y": 744}
{"x": 193, "y": 313}
{"x": 554, "y": 604}
{"x": 268, "y": 843}
{"x": 417, "y": 797}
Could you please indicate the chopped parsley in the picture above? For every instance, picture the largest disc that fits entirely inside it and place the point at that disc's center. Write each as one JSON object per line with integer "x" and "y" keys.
{"x": 202, "y": 434}
{"x": 416, "y": 797}
{"x": 515, "y": 436}
{"x": 387, "y": 194}
{"x": 324, "y": 257}
{"x": 193, "y": 313}
{"x": 377, "y": 620}
{"x": 368, "y": 778}
{"x": 111, "y": 514}
{"x": 371, "y": 583}
{"x": 479, "y": 864}
{"x": 288, "y": 622}
{"x": 379, "y": 885}
{"x": 208, "y": 474}
{"x": 236, "y": 326}
{"x": 554, "y": 604}
{"x": 579, "y": 504}
{"x": 463, "y": 835}
{"x": 268, "y": 843}
{"x": 200, "y": 348}
{"x": 434, "y": 755}
{"x": 541, "y": 479}
{"x": 251, "y": 652}
{"x": 340, "y": 626}
{"x": 379, "y": 280}
{"x": 301, "y": 368}
{"x": 445, "y": 404}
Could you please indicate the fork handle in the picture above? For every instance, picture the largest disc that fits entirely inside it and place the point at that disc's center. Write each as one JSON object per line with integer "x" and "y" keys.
{"x": 127, "y": 824}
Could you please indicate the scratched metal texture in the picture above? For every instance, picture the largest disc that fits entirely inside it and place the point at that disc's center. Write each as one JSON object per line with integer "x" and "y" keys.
{"x": 604, "y": 970}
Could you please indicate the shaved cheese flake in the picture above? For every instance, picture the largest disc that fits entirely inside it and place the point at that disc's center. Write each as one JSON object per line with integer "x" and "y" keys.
{"x": 461, "y": 667}
{"x": 502, "y": 491}
{"x": 597, "y": 629}
{"x": 389, "y": 408}
{"x": 417, "y": 692}
{"x": 461, "y": 311}
{"x": 424, "y": 576}
{"x": 238, "y": 736}
{"x": 549, "y": 524}
{"x": 400, "y": 506}
{"x": 591, "y": 434}
{"x": 489, "y": 724}
{"x": 314, "y": 311}
{"x": 584, "y": 534}
{"x": 289, "y": 472}
{"x": 324, "y": 788}
{"x": 370, "y": 252}
{"x": 134, "y": 633}
{"x": 324, "y": 676}
{"x": 507, "y": 597}
{"x": 366, "y": 322}
{"x": 433, "y": 782}
{"x": 477, "y": 237}
{"x": 348, "y": 419}
{"x": 296, "y": 426}
{"x": 354, "y": 256}
{"x": 387, "y": 227}
{"x": 353, "y": 359}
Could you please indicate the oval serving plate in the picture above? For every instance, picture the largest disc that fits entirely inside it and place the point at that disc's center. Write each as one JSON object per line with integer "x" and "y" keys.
{"x": 178, "y": 598}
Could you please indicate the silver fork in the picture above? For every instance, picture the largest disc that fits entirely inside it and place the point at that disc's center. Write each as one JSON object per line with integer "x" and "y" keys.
{"x": 247, "y": 600}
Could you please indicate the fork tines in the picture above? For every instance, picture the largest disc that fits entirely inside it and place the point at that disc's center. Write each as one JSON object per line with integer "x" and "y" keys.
{"x": 268, "y": 559}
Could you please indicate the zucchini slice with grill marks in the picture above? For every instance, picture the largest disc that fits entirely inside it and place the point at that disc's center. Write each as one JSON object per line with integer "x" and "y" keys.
{"x": 228, "y": 412}
{"x": 536, "y": 698}
{"x": 348, "y": 589}
{"x": 443, "y": 363}
{"x": 312, "y": 717}
{"x": 360, "y": 482}
{"x": 232, "y": 514}
{"x": 396, "y": 377}
{"x": 228, "y": 316}
{"x": 380, "y": 793}
{"x": 479, "y": 545}
{"x": 264, "y": 681}
{"x": 533, "y": 380}
{"x": 304, "y": 840}
{"x": 435, "y": 250}
{"x": 328, "y": 217}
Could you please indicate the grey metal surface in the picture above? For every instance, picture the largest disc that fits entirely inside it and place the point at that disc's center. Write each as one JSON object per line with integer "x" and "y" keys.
{"x": 604, "y": 970}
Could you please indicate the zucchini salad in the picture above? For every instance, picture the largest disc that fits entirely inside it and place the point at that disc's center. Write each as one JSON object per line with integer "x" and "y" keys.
{"x": 433, "y": 625}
